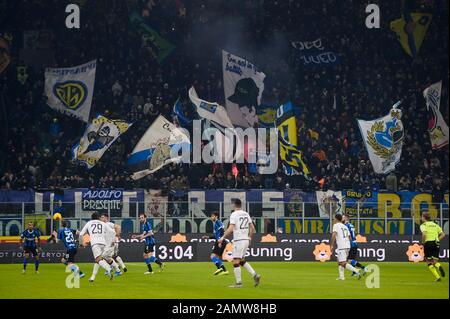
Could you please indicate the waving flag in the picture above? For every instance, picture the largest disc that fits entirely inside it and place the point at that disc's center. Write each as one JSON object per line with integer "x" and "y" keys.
{"x": 411, "y": 30}
{"x": 290, "y": 154}
{"x": 243, "y": 85}
{"x": 383, "y": 139}
{"x": 177, "y": 111}
{"x": 97, "y": 138}
{"x": 210, "y": 110}
{"x": 70, "y": 90}
{"x": 437, "y": 127}
{"x": 159, "y": 146}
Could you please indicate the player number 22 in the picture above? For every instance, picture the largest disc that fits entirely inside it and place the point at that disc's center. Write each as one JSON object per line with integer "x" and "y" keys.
{"x": 243, "y": 223}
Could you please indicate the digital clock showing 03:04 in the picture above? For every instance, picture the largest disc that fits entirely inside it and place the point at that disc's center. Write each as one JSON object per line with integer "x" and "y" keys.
{"x": 175, "y": 252}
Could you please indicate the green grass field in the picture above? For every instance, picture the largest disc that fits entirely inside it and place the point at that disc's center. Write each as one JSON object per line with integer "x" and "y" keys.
{"x": 195, "y": 280}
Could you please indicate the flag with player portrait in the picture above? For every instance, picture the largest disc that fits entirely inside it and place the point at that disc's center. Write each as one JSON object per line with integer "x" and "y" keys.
{"x": 98, "y": 137}
{"x": 70, "y": 90}
{"x": 161, "y": 144}
{"x": 243, "y": 85}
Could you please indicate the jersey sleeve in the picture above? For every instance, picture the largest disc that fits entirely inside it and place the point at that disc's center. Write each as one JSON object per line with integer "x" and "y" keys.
{"x": 233, "y": 219}
{"x": 60, "y": 234}
{"x": 439, "y": 230}
{"x": 335, "y": 228}
{"x": 38, "y": 234}
{"x": 84, "y": 230}
{"x": 422, "y": 228}
{"x": 22, "y": 235}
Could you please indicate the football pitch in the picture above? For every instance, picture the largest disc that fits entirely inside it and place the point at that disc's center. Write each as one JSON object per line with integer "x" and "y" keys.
{"x": 194, "y": 280}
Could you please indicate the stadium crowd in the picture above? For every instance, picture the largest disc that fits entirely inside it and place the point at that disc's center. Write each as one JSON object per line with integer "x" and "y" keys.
{"x": 374, "y": 72}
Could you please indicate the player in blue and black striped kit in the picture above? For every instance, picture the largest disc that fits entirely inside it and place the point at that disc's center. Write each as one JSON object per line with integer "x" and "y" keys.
{"x": 28, "y": 240}
{"x": 67, "y": 236}
{"x": 353, "y": 253}
{"x": 218, "y": 249}
{"x": 149, "y": 251}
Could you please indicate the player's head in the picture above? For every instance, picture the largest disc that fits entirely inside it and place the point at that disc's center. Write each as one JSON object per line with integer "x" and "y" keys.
{"x": 63, "y": 223}
{"x": 345, "y": 218}
{"x": 338, "y": 218}
{"x": 95, "y": 216}
{"x": 104, "y": 217}
{"x": 237, "y": 203}
{"x": 30, "y": 225}
{"x": 426, "y": 216}
{"x": 214, "y": 216}
{"x": 142, "y": 217}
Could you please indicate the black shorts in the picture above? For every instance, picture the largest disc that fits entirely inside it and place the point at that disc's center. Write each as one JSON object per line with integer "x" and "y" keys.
{"x": 431, "y": 250}
{"x": 219, "y": 250}
{"x": 70, "y": 255}
{"x": 149, "y": 248}
{"x": 353, "y": 253}
{"x": 31, "y": 250}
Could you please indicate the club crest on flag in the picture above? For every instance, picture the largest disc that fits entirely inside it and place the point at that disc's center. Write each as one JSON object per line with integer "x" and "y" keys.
{"x": 386, "y": 137}
{"x": 72, "y": 94}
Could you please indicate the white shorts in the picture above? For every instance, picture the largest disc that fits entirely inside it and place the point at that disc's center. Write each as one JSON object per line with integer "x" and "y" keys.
{"x": 108, "y": 252}
{"x": 240, "y": 248}
{"x": 342, "y": 254}
{"x": 97, "y": 250}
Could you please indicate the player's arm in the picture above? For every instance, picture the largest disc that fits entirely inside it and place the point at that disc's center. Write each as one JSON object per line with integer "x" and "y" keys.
{"x": 227, "y": 233}
{"x": 333, "y": 240}
{"x": 21, "y": 242}
{"x": 81, "y": 234}
{"x": 39, "y": 242}
{"x": 441, "y": 235}
{"x": 252, "y": 231}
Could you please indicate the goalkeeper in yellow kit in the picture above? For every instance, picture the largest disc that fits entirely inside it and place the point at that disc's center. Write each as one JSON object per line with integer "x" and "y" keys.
{"x": 432, "y": 234}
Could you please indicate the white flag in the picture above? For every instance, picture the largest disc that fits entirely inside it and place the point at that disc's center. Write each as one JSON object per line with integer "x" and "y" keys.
{"x": 70, "y": 90}
{"x": 210, "y": 110}
{"x": 329, "y": 202}
{"x": 437, "y": 128}
{"x": 243, "y": 86}
{"x": 160, "y": 145}
{"x": 383, "y": 139}
{"x": 97, "y": 138}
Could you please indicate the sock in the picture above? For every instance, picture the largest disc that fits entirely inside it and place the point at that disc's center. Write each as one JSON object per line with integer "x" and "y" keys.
{"x": 24, "y": 263}
{"x": 434, "y": 271}
{"x": 36, "y": 264}
{"x": 217, "y": 262}
{"x": 223, "y": 267}
{"x": 249, "y": 269}
{"x": 74, "y": 268}
{"x": 237, "y": 273}
{"x": 95, "y": 270}
{"x": 115, "y": 266}
{"x": 155, "y": 260}
{"x": 351, "y": 268}
{"x": 104, "y": 265}
{"x": 120, "y": 262}
{"x": 341, "y": 271}
{"x": 360, "y": 265}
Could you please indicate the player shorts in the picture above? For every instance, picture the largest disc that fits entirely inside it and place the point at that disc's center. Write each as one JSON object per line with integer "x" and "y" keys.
{"x": 219, "y": 250}
{"x": 70, "y": 255}
{"x": 31, "y": 250}
{"x": 240, "y": 248}
{"x": 97, "y": 250}
{"x": 353, "y": 253}
{"x": 149, "y": 248}
{"x": 108, "y": 252}
{"x": 431, "y": 250}
{"x": 342, "y": 254}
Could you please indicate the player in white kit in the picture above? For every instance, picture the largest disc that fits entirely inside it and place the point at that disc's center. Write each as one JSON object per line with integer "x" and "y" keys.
{"x": 242, "y": 227}
{"x": 341, "y": 236}
{"x": 99, "y": 233}
{"x": 115, "y": 254}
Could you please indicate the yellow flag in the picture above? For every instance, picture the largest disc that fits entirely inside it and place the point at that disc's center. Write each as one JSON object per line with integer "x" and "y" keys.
{"x": 411, "y": 34}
